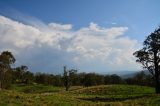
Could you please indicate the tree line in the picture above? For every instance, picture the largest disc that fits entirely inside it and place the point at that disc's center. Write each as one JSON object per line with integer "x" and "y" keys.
{"x": 71, "y": 77}
{"x": 21, "y": 75}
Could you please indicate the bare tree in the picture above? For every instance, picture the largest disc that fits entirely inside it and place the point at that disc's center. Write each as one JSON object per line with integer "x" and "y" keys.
{"x": 68, "y": 77}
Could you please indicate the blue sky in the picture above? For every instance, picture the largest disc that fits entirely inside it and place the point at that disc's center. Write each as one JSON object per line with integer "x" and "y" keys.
{"x": 134, "y": 19}
{"x": 141, "y": 16}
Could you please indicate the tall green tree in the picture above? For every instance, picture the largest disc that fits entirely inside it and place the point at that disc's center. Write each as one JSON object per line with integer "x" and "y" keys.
{"x": 6, "y": 60}
{"x": 149, "y": 56}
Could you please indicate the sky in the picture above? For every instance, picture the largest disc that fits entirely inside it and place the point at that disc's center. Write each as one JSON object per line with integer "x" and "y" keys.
{"x": 88, "y": 35}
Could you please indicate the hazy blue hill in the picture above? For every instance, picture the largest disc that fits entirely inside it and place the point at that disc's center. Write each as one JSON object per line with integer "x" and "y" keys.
{"x": 123, "y": 74}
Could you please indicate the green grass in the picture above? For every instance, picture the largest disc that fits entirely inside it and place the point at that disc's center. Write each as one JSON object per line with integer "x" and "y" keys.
{"x": 116, "y": 90}
{"x": 104, "y": 95}
{"x": 36, "y": 88}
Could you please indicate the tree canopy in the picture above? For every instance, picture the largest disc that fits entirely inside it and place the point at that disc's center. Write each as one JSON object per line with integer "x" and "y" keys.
{"x": 149, "y": 56}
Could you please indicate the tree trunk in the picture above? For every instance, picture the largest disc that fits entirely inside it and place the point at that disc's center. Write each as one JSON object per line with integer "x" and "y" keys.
{"x": 157, "y": 86}
{"x": 157, "y": 82}
{"x": 66, "y": 88}
{"x": 1, "y": 79}
{"x": 0, "y": 85}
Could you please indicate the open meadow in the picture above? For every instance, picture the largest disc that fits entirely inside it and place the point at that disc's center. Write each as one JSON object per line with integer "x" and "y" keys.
{"x": 103, "y": 95}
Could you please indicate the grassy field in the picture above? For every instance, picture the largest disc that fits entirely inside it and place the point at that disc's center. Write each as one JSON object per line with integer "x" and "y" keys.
{"x": 104, "y": 95}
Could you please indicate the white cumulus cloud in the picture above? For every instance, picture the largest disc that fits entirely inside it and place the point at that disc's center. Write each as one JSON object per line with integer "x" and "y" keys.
{"x": 89, "y": 48}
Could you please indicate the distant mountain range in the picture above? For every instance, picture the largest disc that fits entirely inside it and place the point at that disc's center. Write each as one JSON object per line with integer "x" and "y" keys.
{"x": 128, "y": 74}
{"x": 123, "y": 74}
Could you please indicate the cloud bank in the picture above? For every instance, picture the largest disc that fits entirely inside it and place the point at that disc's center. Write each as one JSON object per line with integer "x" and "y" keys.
{"x": 47, "y": 47}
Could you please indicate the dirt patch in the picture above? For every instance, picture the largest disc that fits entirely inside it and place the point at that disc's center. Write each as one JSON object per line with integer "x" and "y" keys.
{"x": 112, "y": 99}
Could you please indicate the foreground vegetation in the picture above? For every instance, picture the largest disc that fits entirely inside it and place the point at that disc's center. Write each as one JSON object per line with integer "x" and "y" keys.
{"x": 40, "y": 95}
